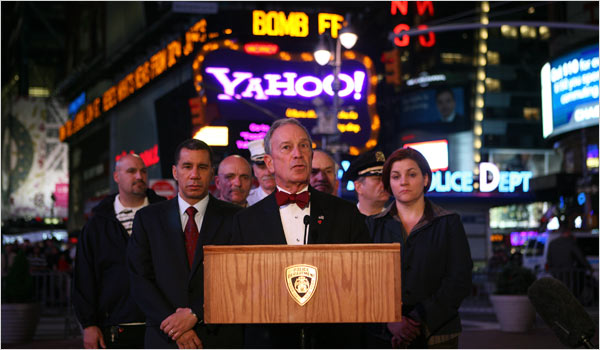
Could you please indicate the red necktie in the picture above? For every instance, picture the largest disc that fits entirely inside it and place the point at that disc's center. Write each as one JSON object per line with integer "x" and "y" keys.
{"x": 301, "y": 199}
{"x": 191, "y": 234}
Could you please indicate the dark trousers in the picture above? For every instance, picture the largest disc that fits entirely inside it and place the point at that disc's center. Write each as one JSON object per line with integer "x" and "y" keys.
{"x": 124, "y": 337}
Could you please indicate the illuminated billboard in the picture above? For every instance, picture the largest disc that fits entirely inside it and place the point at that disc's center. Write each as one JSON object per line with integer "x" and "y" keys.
{"x": 239, "y": 87}
{"x": 570, "y": 92}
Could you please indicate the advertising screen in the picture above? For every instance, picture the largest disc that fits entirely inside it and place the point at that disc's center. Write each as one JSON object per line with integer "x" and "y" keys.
{"x": 570, "y": 92}
{"x": 441, "y": 109}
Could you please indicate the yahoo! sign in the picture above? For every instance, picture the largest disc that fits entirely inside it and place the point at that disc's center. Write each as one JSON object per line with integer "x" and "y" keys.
{"x": 289, "y": 84}
{"x": 239, "y": 89}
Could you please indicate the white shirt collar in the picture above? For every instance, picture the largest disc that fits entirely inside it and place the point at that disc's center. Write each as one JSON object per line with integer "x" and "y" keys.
{"x": 305, "y": 188}
{"x": 200, "y": 205}
{"x": 119, "y": 207}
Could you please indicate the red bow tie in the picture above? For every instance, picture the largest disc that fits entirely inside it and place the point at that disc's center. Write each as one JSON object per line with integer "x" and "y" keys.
{"x": 301, "y": 199}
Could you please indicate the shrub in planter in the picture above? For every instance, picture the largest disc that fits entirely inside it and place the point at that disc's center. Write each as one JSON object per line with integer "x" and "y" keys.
{"x": 514, "y": 280}
{"x": 513, "y": 308}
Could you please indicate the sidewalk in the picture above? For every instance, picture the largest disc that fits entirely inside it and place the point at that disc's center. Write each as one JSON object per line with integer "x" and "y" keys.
{"x": 480, "y": 331}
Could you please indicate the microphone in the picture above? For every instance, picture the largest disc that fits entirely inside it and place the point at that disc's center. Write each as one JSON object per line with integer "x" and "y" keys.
{"x": 306, "y": 223}
{"x": 562, "y": 312}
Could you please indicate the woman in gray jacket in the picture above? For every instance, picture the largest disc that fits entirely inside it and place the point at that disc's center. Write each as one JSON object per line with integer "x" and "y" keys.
{"x": 436, "y": 259}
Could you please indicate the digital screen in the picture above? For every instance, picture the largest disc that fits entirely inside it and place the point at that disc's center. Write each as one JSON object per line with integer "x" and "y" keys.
{"x": 570, "y": 92}
{"x": 441, "y": 109}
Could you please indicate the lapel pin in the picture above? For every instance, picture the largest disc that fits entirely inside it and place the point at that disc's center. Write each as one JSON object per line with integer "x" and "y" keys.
{"x": 320, "y": 219}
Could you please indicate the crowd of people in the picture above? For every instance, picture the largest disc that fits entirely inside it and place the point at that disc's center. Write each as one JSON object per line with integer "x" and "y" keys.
{"x": 45, "y": 255}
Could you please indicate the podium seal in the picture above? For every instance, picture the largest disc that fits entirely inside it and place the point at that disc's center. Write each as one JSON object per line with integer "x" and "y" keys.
{"x": 301, "y": 281}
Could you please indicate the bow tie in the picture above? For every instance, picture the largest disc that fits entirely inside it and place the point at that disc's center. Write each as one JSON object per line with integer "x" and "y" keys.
{"x": 301, "y": 199}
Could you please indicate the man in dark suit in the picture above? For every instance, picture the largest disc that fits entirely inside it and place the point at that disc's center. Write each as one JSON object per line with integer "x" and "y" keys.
{"x": 165, "y": 256}
{"x": 280, "y": 219}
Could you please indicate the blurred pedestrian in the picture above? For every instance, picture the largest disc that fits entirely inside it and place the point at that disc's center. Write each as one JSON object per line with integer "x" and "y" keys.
{"x": 323, "y": 176}
{"x": 436, "y": 259}
{"x": 266, "y": 180}
{"x": 102, "y": 301}
{"x": 566, "y": 261}
{"x": 366, "y": 171}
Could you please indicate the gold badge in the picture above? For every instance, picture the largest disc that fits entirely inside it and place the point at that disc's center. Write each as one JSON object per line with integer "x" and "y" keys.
{"x": 301, "y": 281}
{"x": 379, "y": 156}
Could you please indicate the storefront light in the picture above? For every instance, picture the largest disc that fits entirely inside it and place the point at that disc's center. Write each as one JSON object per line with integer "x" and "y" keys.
{"x": 481, "y": 74}
{"x": 483, "y": 33}
{"x": 483, "y": 47}
{"x": 485, "y": 7}
{"x": 214, "y": 135}
{"x": 480, "y": 104}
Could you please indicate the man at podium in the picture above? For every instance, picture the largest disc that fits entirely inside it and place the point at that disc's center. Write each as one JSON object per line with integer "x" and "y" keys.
{"x": 295, "y": 214}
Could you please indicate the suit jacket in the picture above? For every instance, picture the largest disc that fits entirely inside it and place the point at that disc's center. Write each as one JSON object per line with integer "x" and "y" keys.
{"x": 333, "y": 220}
{"x": 161, "y": 279}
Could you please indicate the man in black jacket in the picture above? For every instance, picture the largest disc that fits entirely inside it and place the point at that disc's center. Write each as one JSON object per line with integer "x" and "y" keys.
{"x": 101, "y": 296}
{"x": 279, "y": 218}
{"x": 165, "y": 256}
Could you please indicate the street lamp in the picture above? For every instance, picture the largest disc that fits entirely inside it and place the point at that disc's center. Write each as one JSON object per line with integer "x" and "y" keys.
{"x": 327, "y": 124}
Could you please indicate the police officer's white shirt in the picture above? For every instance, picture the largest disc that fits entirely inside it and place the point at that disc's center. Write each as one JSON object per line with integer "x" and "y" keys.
{"x": 256, "y": 194}
{"x": 292, "y": 220}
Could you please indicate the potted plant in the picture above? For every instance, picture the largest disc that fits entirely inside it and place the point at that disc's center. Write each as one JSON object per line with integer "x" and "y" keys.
{"x": 513, "y": 308}
{"x": 20, "y": 311}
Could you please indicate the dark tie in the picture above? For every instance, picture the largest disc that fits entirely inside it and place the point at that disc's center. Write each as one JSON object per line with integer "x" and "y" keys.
{"x": 301, "y": 199}
{"x": 191, "y": 234}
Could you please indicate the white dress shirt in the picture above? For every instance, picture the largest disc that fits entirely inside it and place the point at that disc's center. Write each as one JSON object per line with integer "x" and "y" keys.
{"x": 292, "y": 219}
{"x": 256, "y": 194}
{"x": 199, "y": 217}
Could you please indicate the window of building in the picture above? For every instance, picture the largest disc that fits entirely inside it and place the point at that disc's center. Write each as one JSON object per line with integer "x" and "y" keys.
{"x": 528, "y": 32}
{"x": 492, "y": 85}
{"x": 493, "y": 57}
{"x": 509, "y": 31}
{"x": 531, "y": 113}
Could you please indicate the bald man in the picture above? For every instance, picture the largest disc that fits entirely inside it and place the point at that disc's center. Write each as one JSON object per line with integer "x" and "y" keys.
{"x": 323, "y": 176}
{"x": 234, "y": 180}
{"x": 108, "y": 314}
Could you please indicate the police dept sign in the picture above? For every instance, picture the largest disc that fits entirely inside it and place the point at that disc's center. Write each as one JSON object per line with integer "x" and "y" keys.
{"x": 237, "y": 86}
{"x": 490, "y": 180}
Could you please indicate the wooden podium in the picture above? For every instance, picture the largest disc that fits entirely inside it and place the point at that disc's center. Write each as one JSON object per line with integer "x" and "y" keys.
{"x": 317, "y": 283}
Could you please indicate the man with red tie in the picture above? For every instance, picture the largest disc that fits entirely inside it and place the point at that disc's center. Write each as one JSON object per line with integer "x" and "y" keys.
{"x": 165, "y": 256}
{"x": 295, "y": 214}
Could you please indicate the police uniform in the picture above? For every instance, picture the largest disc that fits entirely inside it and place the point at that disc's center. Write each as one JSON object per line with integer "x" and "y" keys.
{"x": 257, "y": 156}
{"x": 367, "y": 164}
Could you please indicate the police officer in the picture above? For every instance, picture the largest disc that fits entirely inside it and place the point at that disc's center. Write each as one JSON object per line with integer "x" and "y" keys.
{"x": 266, "y": 180}
{"x": 366, "y": 171}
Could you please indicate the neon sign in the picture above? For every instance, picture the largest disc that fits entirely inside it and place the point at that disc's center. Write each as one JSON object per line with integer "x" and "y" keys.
{"x": 286, "y": 84}
{"x": 490, "y": 179}
{"x": 425, "y": 40}
{"x": 256, "y": 132}
{"x": 149, "y": 156}
{"x": 295, "y": 24}
{"x": 135, "y": 80}
{"x": 258, "y": 89}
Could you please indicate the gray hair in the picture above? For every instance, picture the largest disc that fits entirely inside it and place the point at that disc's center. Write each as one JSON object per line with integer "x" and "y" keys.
{"x": 282, "y": 122}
